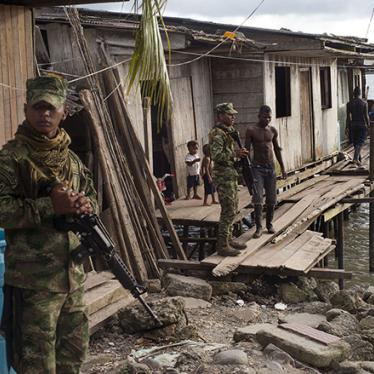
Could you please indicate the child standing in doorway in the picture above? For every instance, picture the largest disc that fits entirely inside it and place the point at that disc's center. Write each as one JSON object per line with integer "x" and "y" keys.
{"x": 206, "y": 172}
{"x": 193, "y": 169}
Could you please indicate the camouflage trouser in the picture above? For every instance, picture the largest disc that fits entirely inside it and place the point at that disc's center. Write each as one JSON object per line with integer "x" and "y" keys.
{"x": 49, "y": 331}
{"x": 229, "y": 200}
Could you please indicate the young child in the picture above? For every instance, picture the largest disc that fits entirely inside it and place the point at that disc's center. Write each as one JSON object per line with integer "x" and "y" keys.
{"x": 193, "y": 169}
{"x": 206, "y": 172}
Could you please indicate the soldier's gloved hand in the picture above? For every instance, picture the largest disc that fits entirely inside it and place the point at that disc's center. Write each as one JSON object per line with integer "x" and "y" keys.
{"x": 241, "y": 153}
{"x": 63, "y": 200}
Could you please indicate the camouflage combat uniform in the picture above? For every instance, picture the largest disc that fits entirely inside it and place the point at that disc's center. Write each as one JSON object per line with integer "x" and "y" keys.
{"x": 225, "y": 178}
{"x": 45, "y": 319}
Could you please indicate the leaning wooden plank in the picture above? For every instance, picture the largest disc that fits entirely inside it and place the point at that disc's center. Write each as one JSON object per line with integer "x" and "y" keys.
{"x": 98, "y": 318}
{"x": 306, "y": 257}
{"x": 310, "y": 332}
{"x": 229, "y": 264}
{"x": 321, "y": 188}
{"x": 298, "y": 177}
{"x": 276, "y": 255}
{"x": 328, "y": 200}
{"x": 107, "y": 293}
{"x": 300, "y": 187}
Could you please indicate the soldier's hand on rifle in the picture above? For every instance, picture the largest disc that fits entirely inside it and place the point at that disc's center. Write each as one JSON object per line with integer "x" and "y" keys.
{"x": 241, "y": 153}
{"x": 66, "y": 201}
{"x": 83, "y": 204}
{"x": 284, "y": 174}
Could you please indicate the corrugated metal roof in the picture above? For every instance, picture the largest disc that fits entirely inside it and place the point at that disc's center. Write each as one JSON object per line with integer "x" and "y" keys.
{"x": 210, "y": 32}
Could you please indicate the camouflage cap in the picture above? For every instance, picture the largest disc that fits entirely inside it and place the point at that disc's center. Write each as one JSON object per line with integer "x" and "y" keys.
{"x": 51, "y": 89}
{"x": 226, "y": 108}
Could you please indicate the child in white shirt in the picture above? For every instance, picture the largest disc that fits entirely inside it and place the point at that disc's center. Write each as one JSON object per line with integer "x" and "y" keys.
{"x": 193, "y": 169}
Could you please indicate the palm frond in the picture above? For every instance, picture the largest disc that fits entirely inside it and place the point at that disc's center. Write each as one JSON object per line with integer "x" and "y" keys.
{"x": 148, "y": 64}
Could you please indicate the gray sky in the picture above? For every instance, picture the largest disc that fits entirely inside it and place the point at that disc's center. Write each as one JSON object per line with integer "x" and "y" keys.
{"x": 341, "y": 17}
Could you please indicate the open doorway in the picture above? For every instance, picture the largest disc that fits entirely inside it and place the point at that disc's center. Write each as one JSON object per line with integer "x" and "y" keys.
{"x": 162, "y": 154}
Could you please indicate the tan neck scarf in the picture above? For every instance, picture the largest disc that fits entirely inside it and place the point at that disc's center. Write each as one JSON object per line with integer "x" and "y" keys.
{"x": 51, "y": 156}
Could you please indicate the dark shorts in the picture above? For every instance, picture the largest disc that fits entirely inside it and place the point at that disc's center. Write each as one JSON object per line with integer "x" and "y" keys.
{"x": 264, "y": 179}
{"x": 192, "y": 181}
{"x": 209, "y": 188}
{"x": 358, "y": 134}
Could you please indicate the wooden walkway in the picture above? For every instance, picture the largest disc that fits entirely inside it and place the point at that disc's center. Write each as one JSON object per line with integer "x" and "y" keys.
{"x": 310, "y": 199}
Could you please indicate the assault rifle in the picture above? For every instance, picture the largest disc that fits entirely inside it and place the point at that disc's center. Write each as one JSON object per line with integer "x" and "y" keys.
{"x": 249, "y": 178}
{"x": 95, "y": 240}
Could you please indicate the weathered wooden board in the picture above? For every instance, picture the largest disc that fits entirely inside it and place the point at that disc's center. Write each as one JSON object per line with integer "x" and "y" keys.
{"x": 310, "y": 332}
{"x": 306, "y": 116}
{"x": 96, "y": 319}
{"x": 95, "y": 279}
{"x": 16, "y": 65}
{"x": 301, "y": 187}
{"x": 194, "y": 211}
{"x": 106, "y": 293}
{"x": 309, "y": 254}
{"x": 320, "y": 205}
{"x": 183, "y": 127}
{"x": 276, "y": 255}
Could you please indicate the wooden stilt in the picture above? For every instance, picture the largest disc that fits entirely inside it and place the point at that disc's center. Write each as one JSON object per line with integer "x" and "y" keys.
{"x": 203, "y": 235}
{"x": 340, "y": 246}
{"x": 185, "y": 234}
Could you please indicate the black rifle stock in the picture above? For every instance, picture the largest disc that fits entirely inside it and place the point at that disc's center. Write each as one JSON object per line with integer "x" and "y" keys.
{"x": 249, "y": 178}
{"x": 95, "y": 240}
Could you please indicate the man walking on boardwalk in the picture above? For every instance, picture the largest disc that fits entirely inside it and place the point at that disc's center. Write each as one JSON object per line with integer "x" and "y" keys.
{"x": 357, "y": 123}
{"x": 44, "y": 317}
{"x": 225, "y": 177}
{"x": 264, "y": 140}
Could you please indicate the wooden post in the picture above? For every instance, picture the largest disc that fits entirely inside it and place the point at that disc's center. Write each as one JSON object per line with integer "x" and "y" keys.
{"x": 147, "y": 130}
{"x": 371, "y": 209}
{"x": 340, "y": 246}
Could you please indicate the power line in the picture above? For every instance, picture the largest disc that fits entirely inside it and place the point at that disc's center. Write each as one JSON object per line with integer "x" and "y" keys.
{"x": 223, "y": 41}
{"x": 371, "y": 18}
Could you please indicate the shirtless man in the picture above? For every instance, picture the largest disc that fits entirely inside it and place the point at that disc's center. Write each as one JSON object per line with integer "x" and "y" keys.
{"x": 264, "y": 140}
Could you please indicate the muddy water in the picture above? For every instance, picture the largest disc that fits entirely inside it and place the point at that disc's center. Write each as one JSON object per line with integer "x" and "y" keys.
{"x": 356, "y": 246}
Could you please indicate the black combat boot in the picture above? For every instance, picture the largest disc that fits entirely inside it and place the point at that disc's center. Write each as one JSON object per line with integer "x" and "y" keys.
{"x": 258, "y": 221}
{"x": 269, "y": 218}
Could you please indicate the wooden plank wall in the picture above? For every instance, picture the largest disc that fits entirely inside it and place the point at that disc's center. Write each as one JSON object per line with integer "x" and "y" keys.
{"x": 16, "y": 66}
{"x": 325, "y": 120}
{"x": 193, "y": 114}
{"x": 241, "y": 83}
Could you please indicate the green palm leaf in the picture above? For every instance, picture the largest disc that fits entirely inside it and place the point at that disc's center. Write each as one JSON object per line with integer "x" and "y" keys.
{"x": 148, "y": 64}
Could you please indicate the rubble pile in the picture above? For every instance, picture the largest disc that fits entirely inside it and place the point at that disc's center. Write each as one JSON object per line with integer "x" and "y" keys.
{"x": 238, "y": 327}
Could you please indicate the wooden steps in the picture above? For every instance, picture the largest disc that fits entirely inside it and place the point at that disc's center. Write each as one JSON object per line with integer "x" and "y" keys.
{"x": 104, "y": 296}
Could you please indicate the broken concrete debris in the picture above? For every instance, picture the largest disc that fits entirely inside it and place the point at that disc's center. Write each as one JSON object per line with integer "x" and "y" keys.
{"x": 180, "y": 285}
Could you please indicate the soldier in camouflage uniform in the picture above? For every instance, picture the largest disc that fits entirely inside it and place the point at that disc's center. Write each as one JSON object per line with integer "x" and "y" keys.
{"x": 225, "y": 177}
{"x": 40, "y": 178}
